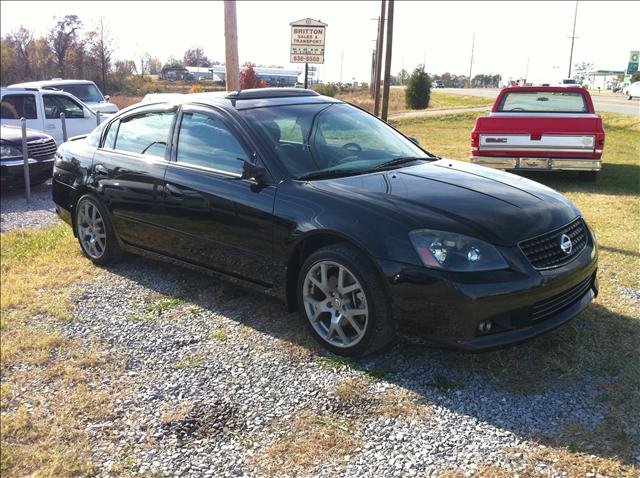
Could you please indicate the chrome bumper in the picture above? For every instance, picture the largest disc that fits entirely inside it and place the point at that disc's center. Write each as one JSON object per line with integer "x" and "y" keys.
{"x": 539, "y": 164}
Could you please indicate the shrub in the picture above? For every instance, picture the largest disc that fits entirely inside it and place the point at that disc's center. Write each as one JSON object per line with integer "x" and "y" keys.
{"x": 196, "y": 89}
{"x": 635, "y": 77}
{"x": 249, "y": 79}
{"x": 418, "y": 90}
{"x": 326, "y": 89}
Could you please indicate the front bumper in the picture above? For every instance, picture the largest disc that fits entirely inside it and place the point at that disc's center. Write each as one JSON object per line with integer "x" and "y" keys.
{"x": 448, "y": 309}
{"x": 538, "y": 164}
{"x": 12, "y": 170}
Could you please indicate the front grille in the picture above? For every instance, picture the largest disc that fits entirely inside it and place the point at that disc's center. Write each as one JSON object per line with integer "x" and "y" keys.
{"x": 42, "y": 149}
{"x": 553, "y": 305}
{"x": 544, "y": 251}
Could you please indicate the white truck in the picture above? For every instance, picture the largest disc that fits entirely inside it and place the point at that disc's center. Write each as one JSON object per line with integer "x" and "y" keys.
{"x": 42, "y": 108}
{"x": 85, "y": 90}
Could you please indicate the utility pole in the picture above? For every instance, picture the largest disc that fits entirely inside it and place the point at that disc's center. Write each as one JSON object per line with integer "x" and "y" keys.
{"x": 232, "y": 64}
{"x": 387, "y": 63}
{"x": 376, "y": 88}
{"x": 341, "y": 63}
{"x": 573, "y": 38}
{"x": 526, "y": 74}
{"x": 306, "y": 75}
{"x": 473, "y": 44}
{"x": 373, "y": 72}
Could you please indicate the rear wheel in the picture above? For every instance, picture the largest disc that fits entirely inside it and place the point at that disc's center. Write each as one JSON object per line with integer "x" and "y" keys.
{"x": 343, "y": 302}
{"x": 95, "y": 232}
{"x": 589, "y": 176}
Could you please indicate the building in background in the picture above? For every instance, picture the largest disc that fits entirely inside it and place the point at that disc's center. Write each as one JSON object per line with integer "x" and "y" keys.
{"x": 272, "y": 76}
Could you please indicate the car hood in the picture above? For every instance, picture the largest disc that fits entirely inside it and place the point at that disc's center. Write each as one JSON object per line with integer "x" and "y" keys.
{"x": 103, "y": 107}
{"x": 13, "y": 134}
{"x": 499, "y": 207}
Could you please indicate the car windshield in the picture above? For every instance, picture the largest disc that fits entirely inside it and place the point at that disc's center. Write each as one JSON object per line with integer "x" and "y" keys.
{"x": 317, "y": 140}
{"x": 544, "y": 102}
{"x": 87, "y": 92}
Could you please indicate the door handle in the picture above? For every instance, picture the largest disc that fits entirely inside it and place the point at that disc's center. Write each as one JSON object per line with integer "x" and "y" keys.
{"x": 174, "y": 191}
{"x": 51, "y": 126}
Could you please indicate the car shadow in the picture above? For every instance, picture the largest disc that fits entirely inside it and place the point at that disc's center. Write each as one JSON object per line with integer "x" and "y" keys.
{"x": 613, "y": 179}
{"x": 552, "y": 389}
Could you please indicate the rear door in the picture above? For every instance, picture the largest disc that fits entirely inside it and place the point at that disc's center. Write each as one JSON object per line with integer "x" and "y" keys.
{"x": 213, "y": 217}
{"x": 128, "y": 173}
{"x": 21, "y": 105}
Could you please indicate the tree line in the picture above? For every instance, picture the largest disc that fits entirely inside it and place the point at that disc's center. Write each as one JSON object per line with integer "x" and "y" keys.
{"x": 70, "y": 50}
{"x": 456, "y": 81}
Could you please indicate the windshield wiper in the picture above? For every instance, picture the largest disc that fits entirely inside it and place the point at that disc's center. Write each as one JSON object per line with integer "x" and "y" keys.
{"x": 399, "y": 161}
{"x": 334, "y": 173}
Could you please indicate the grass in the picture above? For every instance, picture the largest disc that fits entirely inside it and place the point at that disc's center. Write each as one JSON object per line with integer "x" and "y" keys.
{"x": 438, "y": 101}
{"x": 51, "y": 385}
{"x": 310, "y": 443}
{"x": 164, "y": 304}
{"x": 603, "y": 341}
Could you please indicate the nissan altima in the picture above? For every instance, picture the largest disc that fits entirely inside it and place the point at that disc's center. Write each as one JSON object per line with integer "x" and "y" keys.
{"x": 315, "y": 201}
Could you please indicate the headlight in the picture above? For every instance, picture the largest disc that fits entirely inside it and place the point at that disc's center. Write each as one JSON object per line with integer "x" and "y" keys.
{"x": 9, "y": 151}
{"x": 455, "y": 252}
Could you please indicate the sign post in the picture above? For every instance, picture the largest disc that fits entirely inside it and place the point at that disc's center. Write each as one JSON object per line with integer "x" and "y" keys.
{"x": 307, "y": 43}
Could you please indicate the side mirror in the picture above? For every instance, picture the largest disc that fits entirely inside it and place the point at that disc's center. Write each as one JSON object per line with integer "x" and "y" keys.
{"x": 414, "y": 140}
{"x": 107, "y": 98}
{"x": 251, "y": 171}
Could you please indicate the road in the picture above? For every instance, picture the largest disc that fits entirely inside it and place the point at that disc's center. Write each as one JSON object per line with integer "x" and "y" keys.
{"x": 611, "y": 103}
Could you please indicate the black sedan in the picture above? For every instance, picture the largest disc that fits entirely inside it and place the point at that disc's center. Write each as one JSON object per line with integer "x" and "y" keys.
{"x": 335, "y": 212}
{"x": 41, "y": 149}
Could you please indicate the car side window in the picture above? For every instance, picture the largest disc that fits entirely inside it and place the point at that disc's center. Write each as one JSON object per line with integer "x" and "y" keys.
{"x": 110, "y": 139}
{"x": 205, "y": 141}
{"x": 56, "y": 104}
{"x": 18, "y": 106}
{"x": 147, "y": 133}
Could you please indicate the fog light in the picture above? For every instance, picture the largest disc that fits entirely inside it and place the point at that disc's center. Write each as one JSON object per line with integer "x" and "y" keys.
{"x": 484, "y": 327}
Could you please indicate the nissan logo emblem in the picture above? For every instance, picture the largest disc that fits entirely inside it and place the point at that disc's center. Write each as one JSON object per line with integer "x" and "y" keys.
{"x": 565, "y": 244}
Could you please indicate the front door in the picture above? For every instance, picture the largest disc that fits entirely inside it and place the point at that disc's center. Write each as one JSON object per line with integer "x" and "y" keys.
{"x": 215, "y": 218}
{"x": 21, "y": 105}
{"x": 76, "y": 123}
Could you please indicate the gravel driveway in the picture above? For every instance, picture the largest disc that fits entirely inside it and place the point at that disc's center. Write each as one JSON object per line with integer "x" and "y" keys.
{"x": 16, "y": 212}
{"x": 219, "y": 381}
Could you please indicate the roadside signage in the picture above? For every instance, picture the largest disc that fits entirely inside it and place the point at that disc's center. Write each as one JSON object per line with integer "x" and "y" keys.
{"x": 634, "y": 59}
{"x": 307, "y": 41}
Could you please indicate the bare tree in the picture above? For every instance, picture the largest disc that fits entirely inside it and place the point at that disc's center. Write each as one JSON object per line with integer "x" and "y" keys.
{"x": 62, "y": 37}
{"x": 101, "y": 49}
{"x": 21, "y": 40}
{"x": 195, "y": 56}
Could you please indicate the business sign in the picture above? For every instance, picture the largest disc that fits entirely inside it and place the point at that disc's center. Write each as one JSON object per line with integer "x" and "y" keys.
{"x": 307, "y": 41}
{"x": 634, "y": 58}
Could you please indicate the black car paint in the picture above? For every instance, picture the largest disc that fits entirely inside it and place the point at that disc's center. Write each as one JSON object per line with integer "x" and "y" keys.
{"x": 257, "y": 234}
{"x": 13, "y": 174}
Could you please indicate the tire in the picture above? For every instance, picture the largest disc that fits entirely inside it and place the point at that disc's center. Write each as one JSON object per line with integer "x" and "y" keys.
{"x": 629, "y": 97}
{"x": 588, "y": 176}
{"x": 95, "y": 232}
{"x": 361, "y": 290}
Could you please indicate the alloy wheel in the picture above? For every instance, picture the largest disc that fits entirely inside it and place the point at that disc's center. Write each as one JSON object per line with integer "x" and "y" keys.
{"x": 91, "y": 230}
{"x": 335, "y": 304}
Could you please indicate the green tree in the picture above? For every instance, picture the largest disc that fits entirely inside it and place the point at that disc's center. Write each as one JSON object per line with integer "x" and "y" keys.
{"x": 635, "y": 77}
{"x": 418, "y": 92}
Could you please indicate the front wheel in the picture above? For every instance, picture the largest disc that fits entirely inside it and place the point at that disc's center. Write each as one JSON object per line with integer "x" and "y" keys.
{"x": 95, "y": 232}
{"x": 343, "y": 301}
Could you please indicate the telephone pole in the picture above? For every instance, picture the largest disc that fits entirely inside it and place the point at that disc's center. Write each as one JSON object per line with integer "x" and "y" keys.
{"x": 341, "y": 63}
{"x": 473, "y": 44}
{"x": 573, "y": 38}
{"x": 232, "y": 64}
{"x": 376, "y": 88}
{"x": 387, "y": 63}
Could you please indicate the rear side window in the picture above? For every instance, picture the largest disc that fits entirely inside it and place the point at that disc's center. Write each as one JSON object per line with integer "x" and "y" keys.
{"x": 145, "y": 134}
{"x": 205, "y": 141}
{"x": 18, "y": 106}
{"x": 56, "y": 104}
{"x": 544, "y": 102}
{"x": 110, "y": 140}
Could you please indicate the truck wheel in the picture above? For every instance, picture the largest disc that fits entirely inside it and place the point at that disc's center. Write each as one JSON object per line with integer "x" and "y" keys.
{"x": 588, "y": 176}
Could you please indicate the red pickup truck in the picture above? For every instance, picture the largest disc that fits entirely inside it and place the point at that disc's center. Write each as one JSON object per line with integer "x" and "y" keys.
{"x": 540, "y": 129}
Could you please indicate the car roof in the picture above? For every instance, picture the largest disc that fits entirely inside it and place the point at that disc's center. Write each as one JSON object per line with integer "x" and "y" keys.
{"x": 561, "y": 89}
{"x": 245, "y": 99}
{"x": 44, "y": 83}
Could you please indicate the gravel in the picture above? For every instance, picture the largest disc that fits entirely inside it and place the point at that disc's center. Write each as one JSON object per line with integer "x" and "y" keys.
{"x": 215, "y": 375}
{"x": 16, "y": 212}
